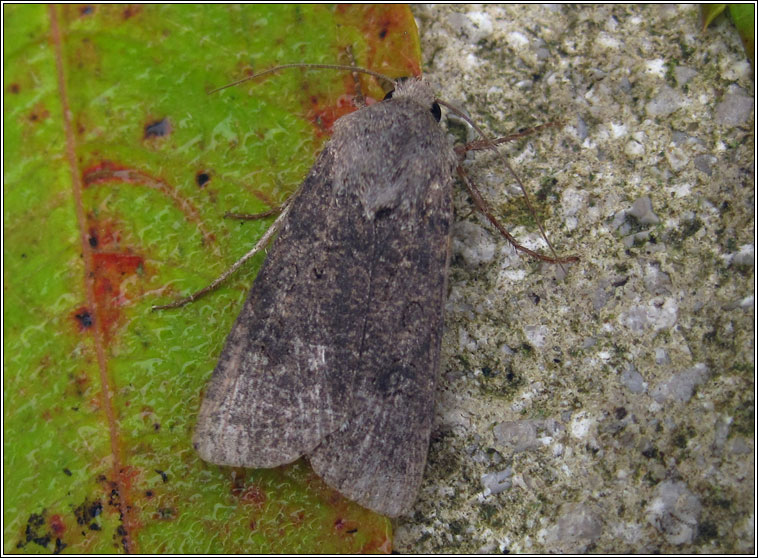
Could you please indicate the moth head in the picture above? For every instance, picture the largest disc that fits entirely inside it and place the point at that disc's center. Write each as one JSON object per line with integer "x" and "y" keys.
{"x": 419, "y": 91}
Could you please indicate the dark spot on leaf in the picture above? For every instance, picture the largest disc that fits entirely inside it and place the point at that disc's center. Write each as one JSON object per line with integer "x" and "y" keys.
{"x": 35, "y": 531}
{"x": 121, "y": 531}
{"x": 535, "y": 298}
{"x": 164, "y": 476}
{"x": 620, "y": 282}
{"x": 165, "y": 514}
{"x": 14, "y": 88}
{"x": 202, "y": 178}
{"x": 87, "y": 511}
{"x": 94, "y": 527}
{"x": 67, "y": 471}
{"x": 59, "y": 546}
{"x": 39, "y": 112}
{"x": 93, "y": 242}
{"x": 156, "y": 426}
{"x": 383, "y": 32}
{"x": 620, "y": 412}
{"x": 86, "y": 10}
{"x": 85, "y": 320}
{"x": 158, "y": 128}
{"x": 149, "y": 493}
{"x": 131, "y": 11}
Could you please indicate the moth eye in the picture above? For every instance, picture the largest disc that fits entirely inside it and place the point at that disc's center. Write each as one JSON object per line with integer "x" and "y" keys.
{"x": 436, "y": 112}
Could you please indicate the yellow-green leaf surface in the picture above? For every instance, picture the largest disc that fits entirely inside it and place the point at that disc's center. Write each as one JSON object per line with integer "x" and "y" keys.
{"x": 709, "y": 12}
{"x": 118, "y": 169}
{"x": 743, "y": 16}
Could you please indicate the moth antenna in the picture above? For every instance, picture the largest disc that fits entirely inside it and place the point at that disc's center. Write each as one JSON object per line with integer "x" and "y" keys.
{"x": 308, "y": 66}
{"x": 359, "y": 97}
{"x": 487, "y": 142}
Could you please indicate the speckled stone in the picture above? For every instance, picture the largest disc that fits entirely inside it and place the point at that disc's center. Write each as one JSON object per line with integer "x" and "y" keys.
{"x": 618, "y": 396}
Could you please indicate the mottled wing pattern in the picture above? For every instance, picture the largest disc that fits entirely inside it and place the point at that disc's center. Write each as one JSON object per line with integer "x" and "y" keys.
{"x": 335, "y": 353}
{"x": 283, "y": 380}
{"x": 377, "y": 458}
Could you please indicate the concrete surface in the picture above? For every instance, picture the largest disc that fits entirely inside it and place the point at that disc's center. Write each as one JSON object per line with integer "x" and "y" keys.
{"x": 610, "y": 409}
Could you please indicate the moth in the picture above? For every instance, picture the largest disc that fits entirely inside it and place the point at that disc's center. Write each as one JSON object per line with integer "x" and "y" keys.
{"x": 336, "y": 352}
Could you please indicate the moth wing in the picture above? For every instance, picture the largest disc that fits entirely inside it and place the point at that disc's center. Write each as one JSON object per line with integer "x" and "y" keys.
{"x": 378, "y": 456}
{"x": 283, "y": 381}
{"x": 336, "y": 352}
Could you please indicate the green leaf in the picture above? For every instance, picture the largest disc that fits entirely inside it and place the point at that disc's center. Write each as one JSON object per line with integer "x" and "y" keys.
{"x": 709, "y": 12}
{"x": 118, "y": 169}
{"x": 743, "y": 16}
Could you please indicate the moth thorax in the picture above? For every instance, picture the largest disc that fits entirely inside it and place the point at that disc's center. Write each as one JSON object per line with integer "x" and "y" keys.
{"x": 416, "y": 89}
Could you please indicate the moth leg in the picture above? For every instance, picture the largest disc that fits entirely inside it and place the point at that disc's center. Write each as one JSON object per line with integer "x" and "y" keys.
{"x": 484, "y": 208}
{"x": 482, "y": 205}
{"x": 272, "y": 230}
{"x": 479, "y": 145}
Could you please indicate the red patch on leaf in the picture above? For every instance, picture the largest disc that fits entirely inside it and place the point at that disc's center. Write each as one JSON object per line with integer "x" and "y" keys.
{"x": 112, "y": 268}
{"x": 105, "y": 171}
{"x": 386, "y": 28}
{"x": 111, "y": 271}
{"x": 131, "y": 11}
{"x": 324, "y": 117}
{"x": 108, "y": 171}
{"x": 254, "y": 495}
{"x": 56, "y": 525}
